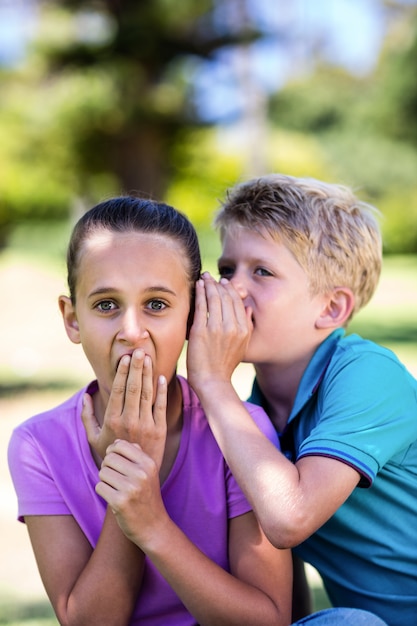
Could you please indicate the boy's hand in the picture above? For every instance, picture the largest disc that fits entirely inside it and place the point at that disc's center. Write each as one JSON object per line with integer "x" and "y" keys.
{"x": 129, "y": 482}
{"x": 129, "y": 413}
{"x": 219, "y": 335}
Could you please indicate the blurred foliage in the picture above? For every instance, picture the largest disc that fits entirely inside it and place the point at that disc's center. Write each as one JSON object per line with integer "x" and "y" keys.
{"x": 102, "y": 101}
{"x": 367, "y": 129}
{"x": 104, "y": 104}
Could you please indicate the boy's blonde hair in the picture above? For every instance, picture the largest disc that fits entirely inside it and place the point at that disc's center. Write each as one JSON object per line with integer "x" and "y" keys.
{"x": 332, "y": 234}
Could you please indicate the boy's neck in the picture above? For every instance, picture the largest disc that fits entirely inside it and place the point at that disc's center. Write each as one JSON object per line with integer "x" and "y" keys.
{"x": 279, "y": 388}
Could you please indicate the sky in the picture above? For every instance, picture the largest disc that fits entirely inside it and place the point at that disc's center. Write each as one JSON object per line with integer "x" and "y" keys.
{"x": 349, "y": 32}
{"x": 17, "y": 24}
{"x": 335, "y": 19}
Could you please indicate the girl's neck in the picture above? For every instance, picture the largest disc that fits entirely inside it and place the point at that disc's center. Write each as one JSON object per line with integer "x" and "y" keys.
{"x": 174, "y": 405}
{"x": 174, "y": 427}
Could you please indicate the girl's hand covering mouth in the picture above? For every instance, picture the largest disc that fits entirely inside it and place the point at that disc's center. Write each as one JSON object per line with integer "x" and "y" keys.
{"x": 131, "y": 414}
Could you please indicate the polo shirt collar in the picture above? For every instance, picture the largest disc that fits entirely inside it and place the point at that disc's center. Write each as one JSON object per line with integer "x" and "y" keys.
{"x": 315, "y": 371}
{"x": 312, "y": 377}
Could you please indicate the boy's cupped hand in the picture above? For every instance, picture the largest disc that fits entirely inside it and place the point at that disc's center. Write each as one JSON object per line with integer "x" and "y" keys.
{"x": 219, "y": 335}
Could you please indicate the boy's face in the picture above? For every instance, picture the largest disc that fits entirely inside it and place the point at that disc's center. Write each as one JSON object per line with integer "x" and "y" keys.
{"x": 270, "y": 281}
{"x": 132, "y": 292}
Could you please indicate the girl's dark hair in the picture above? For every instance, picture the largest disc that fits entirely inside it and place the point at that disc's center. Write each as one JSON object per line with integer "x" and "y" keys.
{"x": 129, "y": 213}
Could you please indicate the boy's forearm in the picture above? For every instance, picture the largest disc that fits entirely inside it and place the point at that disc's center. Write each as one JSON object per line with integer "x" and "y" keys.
{"x": 270, "y": 482}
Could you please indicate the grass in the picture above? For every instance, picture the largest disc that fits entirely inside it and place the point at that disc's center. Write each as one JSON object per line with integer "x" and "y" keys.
{"x": 26, "y": 614}
{"x": 390, "y": 318}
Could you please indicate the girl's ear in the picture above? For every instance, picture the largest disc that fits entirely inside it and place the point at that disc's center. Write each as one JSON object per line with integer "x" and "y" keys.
{"x": 70, "y": 319}
{"x": 338, "y": 309}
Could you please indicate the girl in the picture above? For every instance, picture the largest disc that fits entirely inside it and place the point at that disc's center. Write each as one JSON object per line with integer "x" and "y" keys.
{"x": 161, "y": 534}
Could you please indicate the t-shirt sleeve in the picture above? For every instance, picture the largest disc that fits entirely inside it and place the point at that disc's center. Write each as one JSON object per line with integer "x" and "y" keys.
{"x": 368, "y": 413}
{"x": 263, "y": 422}
{"x": 35, "y": 487}
{"x": 237, "y": 502}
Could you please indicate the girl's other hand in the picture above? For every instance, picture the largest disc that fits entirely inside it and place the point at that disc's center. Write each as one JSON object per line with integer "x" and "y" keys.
{"x": 129, "y": 482}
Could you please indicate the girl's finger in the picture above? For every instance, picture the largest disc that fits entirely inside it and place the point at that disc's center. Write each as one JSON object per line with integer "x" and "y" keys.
{"x": 146, "y": 395}
{"x": 91, "y": 425}
{"x": 133, "y": 387}
{"x": 160, "y": 406}
{"x": 118, "y": 390}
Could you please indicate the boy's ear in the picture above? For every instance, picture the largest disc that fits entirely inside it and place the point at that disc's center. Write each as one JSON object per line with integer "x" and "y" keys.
{"x": 70, "y": 319}
{"x": 338, "y": 308}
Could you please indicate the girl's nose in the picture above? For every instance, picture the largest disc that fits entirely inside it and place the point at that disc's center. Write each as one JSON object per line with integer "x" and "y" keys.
{"x": 132, "y": 330}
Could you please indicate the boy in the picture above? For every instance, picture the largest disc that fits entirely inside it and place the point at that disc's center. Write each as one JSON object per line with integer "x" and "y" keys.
{"x": 299, "y": 259}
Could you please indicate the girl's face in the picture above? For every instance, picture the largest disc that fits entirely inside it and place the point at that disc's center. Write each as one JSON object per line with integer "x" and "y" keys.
{"x": 132, "y": 292}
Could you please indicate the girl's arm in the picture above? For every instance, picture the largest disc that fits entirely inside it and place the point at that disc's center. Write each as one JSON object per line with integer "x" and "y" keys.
{"x": 86, "y": 586}
{"x": 258, "y": 588}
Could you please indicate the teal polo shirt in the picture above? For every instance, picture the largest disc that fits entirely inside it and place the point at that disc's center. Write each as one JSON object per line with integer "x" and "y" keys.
{"x": 357, "y": 403}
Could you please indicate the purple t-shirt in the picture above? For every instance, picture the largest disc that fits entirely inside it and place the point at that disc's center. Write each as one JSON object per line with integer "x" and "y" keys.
{"x": 54, "y": 474}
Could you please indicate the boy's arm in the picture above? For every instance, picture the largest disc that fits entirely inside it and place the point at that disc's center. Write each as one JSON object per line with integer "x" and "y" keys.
{"x": 291, "y": 500}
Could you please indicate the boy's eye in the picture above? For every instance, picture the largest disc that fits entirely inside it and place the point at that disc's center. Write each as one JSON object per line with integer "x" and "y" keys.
{"x": 261, "y": 271}
{"x": 225, "y": 272}
{"x": 156, "y": 305}
{"x": 106, "y": 305}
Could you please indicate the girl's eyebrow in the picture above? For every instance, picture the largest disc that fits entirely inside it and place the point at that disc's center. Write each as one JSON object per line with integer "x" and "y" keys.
{"x": 107, "y": 290}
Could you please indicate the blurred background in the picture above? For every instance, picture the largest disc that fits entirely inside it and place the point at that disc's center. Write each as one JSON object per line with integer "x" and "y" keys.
{"x": 179, "y": 101}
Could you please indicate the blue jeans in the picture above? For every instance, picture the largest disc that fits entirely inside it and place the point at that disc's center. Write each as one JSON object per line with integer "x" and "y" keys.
{"x": 341, "y": 617}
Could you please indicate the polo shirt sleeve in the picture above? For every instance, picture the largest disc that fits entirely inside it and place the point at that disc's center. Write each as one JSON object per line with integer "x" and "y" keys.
{"x": 367, "y": 412}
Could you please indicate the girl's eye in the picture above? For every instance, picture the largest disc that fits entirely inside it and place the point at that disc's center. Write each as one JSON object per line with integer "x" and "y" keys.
{"x": 106, "y": 305}
{"x": 156, "y": 305}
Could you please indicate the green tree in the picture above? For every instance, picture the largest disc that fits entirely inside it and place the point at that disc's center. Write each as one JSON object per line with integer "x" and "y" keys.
{"x": 366, "y": 126}
{"x": 109, "y": 85}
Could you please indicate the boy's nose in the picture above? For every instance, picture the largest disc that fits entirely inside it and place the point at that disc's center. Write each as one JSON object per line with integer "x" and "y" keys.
{"x": 239, "y": 284}
{"x": 132, "y": 330}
